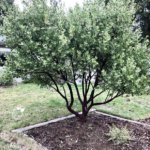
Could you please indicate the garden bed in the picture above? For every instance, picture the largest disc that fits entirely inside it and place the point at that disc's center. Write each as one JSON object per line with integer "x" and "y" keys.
{"x": 70, "y": 134}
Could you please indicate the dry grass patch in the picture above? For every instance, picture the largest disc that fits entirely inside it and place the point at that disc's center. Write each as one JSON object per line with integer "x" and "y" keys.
{"x": 17, "y": 141}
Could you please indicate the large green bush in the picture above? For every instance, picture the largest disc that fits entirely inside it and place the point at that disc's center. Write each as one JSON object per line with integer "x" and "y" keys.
{"x": 56, "y": 47}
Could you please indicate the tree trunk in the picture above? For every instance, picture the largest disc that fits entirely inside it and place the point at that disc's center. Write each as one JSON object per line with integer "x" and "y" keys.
{"x": 82, "y": 118}
{"x": 48, "y": 88}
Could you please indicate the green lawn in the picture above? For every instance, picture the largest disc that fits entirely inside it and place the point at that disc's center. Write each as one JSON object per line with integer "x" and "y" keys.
{"x": 40, "y": 104}
{"x": 134, "y": 108}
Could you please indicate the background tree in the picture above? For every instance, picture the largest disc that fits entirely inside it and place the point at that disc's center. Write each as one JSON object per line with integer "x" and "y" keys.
{"x": 4, "y": 5}
{"x": 143, "y": 17}
{"x": 56, "y": 47}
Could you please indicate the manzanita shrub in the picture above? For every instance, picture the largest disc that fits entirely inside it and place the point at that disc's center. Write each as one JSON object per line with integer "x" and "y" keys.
{"x": 57, "y": 46}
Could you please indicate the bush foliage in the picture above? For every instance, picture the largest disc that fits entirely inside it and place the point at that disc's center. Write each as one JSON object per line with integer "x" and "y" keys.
{"x": 5, "y": 77}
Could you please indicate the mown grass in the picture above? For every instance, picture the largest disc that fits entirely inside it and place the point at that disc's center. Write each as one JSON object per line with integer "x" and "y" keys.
{"x": 134, "y": 108}
{"x": 41, "y": 104}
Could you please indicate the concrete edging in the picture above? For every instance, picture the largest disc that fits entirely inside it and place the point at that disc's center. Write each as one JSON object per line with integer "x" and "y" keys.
{"x": 45, "y": 123}
{"x": 71, "y": 116}
{"x": 140, "y": 123}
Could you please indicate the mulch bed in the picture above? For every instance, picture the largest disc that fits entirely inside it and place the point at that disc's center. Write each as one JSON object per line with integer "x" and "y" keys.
{"x": 70, "y": 134}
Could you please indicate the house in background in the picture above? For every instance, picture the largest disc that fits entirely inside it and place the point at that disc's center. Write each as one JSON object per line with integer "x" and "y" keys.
{"x": 3, "y": 51}
{"x": 6, "y": 51}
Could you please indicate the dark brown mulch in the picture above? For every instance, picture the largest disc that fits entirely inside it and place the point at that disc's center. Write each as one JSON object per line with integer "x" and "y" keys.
{"x": 71, "y": 134}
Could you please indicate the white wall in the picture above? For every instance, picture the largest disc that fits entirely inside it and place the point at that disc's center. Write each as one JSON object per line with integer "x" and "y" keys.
{"x": 4, "y": 49}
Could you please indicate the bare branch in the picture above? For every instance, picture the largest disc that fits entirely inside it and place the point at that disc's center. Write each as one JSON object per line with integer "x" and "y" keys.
{"x": 83, "y": 77}
{"x": 71, "y": 95}
{"x": 97, "y": 80}
{"x": 57, "y": 89}
{"x": 77, "y": 90}
{"x": 64, "y": 91}
{"x": 98, "y": 94}
{"x": 117, "y": 95}
{"x": 107, "y": 95}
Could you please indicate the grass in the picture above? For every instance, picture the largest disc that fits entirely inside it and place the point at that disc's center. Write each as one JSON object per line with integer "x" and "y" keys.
{"x": 134, "y": 108}
{"x": 14, "y": 141}
{"x": 40, "y": 105}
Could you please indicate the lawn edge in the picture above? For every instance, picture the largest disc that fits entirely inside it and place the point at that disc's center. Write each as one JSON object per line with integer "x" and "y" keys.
{"x": 123, "y": 119}
{"x": 71, "y": 116}
{"x": 45, "y": 123}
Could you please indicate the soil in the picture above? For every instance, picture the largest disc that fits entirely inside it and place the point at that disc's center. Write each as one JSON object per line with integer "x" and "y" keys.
{"x": 70, "y": 134}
